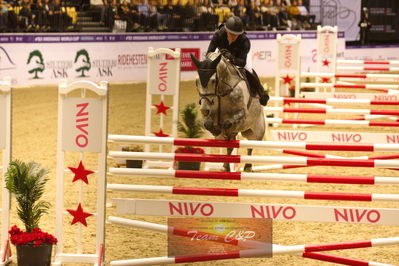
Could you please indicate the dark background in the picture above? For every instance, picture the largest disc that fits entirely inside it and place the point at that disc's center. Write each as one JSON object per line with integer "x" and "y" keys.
{"x": 384, "y": 16}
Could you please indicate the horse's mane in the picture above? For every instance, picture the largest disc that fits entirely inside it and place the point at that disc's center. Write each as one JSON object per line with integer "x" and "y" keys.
{"x": 228, "y": 71}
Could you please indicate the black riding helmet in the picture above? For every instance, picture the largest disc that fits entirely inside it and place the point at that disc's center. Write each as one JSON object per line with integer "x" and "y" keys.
{"x": 234, "y": 25}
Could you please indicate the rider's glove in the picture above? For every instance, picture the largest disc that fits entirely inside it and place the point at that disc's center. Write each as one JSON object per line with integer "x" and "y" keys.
{"x": 226, "y": 53}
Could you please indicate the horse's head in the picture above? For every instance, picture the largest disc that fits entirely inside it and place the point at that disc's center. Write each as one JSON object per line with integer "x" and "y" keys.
{"x": 220, "y": 97}
{"x": 206, "y": 86}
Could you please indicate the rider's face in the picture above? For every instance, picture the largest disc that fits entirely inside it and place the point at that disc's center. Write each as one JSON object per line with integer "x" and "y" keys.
{"x": 231, "y": 37}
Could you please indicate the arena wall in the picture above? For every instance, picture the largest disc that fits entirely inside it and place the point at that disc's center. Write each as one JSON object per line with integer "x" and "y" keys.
{"x": 47, "y": 58}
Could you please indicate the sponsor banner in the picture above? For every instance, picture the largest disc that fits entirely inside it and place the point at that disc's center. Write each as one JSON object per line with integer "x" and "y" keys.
{"x": 289, "y": 54}
{"x": 82, "y": 124}
{"x": 335, "y": 137}
{"x": 45, "y": 59}
{"x": 326, "y": 51}
{"x": 334, "y": 95}
{"x": 326, "y": 45}
{"x": 164, "y": 37}
{"x": 186, "y": 64}
{"x": 310, "y": 213}
{"x": 163, "y": 74}
{"x": 201, "y": 236}
{"x": 3, "y": 118}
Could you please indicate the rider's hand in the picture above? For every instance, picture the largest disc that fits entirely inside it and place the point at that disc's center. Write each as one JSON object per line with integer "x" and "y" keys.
{"x": 222, "y": 51}
{"x": 226, "y": 53}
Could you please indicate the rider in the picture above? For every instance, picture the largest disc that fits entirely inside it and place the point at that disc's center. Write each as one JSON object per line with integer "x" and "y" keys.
{"x": 232, "y": 42}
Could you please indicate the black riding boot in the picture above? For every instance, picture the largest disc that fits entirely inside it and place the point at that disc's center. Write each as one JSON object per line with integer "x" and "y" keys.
{"x": 255, "y": 84}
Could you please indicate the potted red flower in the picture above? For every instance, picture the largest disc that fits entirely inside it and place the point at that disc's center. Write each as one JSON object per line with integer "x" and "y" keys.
{"x": 189, "y": 127}
{"x": 26, "y": 181}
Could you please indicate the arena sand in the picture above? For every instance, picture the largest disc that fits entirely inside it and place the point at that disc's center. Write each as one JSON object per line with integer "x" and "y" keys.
{"x": 34, "y": 138}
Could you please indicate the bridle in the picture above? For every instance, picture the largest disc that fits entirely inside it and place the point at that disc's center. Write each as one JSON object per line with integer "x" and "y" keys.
{"x": 219, "y": 93}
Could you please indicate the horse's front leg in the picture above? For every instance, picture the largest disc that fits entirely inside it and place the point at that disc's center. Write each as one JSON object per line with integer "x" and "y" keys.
{"x": 226, "y": 166}
{"x": 248, "y": 166}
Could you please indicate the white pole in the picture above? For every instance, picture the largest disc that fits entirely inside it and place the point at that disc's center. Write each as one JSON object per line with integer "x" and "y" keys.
{"x": 361, "y": 62}
{"x": 60, "y": 174}
{"x": 148, "y": 105}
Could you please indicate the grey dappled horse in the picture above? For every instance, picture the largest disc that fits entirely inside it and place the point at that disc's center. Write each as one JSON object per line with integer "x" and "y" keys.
{"x": 226, "y": 105}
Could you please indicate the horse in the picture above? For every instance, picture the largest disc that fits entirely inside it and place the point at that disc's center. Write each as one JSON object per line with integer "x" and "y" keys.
{"x": 226, "y": 104}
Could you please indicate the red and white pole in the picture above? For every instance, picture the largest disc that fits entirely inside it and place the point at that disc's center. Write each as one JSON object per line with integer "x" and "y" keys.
{"x": 305, "y": 178}
{"x": 233, "y": 192}
{"x": 248, "y": 144}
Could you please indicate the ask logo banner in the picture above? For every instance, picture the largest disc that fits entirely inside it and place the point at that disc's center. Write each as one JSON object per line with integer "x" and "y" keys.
{"x": 35, "y": 64}
{"x": 82, "y": 63}
{"x": 58, "y": 66}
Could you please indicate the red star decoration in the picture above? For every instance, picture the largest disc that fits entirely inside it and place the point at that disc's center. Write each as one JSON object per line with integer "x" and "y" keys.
{"x": 325, "y": 80}
{"x": 79, "y": 215}
{"x": 287, "y": 79}
{"x": 325, "y": 62}
{"x": 80, "y": 173}
{"x": 160, "y": 133}
{"x": 161, "y": 108}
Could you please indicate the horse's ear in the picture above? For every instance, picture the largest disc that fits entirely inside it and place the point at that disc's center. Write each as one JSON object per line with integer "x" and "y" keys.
{"x": 216, "y": 61}
{"x": 195, "y": 61}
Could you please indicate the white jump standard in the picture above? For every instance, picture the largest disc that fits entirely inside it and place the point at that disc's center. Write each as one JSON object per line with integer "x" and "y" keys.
{"x": 5, "y": 147}
{"x": 91, "y": 136}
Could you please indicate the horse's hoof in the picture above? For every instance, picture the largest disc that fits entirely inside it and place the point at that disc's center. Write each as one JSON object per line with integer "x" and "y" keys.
{"x": 248, "y": 168}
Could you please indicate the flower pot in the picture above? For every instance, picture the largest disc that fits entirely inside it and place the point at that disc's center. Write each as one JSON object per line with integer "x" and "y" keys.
{"x": 308, "y": 89}
{"x": 134, "y": 163}
{"x": 29, "y": 255}
{"x": 188, "y": 165}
